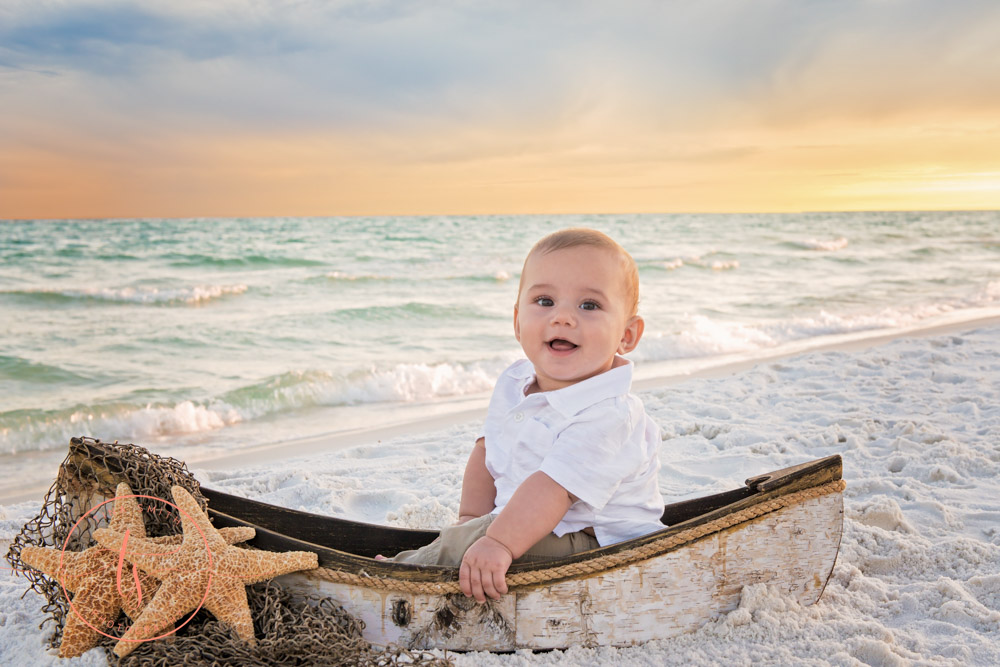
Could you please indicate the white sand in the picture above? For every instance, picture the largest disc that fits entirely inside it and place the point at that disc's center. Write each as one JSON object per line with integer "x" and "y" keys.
{"x": 916, "y": 419}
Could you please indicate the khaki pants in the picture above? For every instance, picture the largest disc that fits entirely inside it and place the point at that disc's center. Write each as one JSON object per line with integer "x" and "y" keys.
{"x": 449, "y": 548}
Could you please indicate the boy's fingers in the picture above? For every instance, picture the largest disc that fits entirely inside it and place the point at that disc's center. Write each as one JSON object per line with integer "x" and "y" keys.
{"x": 500, "y": 583}
{"x": 477, "y": 586}
{"x": 479, "y": 576}
{"x": 464, "y": 579}
{"x": 472, "y": 584}
{"x": 489, "y": 587}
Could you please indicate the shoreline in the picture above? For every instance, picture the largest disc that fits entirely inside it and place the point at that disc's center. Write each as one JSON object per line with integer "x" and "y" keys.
{"x": 914, "y": 415}
{"x": 312, "y": 445}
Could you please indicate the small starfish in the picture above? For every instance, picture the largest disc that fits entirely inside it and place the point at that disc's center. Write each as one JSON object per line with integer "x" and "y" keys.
{"x": 100, "y": 589}
{"x": 193, "y": 576}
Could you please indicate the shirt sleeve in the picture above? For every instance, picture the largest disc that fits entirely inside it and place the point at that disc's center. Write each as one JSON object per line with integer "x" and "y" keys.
{"x": 594, "y": 455}
{"x": 502, "y": 399}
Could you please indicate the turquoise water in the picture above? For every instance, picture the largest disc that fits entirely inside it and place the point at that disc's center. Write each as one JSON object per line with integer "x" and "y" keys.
{"x": 205, "y": 330}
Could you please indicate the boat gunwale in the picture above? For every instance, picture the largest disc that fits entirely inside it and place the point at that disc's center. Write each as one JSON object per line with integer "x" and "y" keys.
{"x": 775, "y": 485}
{"x": 760, "y": 489}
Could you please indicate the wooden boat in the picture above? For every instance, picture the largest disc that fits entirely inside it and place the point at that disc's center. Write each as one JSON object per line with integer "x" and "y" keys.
{"x": 782, "y": 529}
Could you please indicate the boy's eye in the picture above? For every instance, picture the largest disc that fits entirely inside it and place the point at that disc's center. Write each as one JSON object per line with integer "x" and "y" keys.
{"x": 544, "y": 301}
{"x": 590, "y": 305}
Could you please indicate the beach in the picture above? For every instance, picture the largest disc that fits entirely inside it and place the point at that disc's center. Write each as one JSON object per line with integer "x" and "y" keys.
{"x": 284, "y": 245}
{"x": 916, "y": 418}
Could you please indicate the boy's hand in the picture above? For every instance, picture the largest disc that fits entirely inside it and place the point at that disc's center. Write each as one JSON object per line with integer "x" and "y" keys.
{"x": 533, "y": 511}
{"x": 483, "y": 568}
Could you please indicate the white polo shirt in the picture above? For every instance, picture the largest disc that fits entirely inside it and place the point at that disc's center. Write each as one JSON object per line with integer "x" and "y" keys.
{"x": 593, "y": 438}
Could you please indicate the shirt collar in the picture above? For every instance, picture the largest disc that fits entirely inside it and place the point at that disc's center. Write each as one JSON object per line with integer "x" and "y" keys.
{"x": 580, "y": 396}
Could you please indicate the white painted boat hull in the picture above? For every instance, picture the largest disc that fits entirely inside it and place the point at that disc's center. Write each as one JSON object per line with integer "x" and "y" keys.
{"x": 793, "y": 549}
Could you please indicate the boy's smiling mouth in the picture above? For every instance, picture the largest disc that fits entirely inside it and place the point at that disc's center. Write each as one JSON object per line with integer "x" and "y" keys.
{"x": 561, "y": 345}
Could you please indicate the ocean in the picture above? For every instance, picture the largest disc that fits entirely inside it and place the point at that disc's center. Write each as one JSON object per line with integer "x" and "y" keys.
{"x": 231, "y": 333}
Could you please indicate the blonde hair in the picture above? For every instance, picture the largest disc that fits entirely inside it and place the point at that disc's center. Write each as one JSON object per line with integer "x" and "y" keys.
{"x": 581, "y": 236}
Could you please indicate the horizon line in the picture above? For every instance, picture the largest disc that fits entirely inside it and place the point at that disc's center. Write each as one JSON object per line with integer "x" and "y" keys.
{"x": 498, "y": 215}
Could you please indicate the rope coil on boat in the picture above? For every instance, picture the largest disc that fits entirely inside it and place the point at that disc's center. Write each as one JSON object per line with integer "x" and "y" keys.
{"x": 594, "y": 565}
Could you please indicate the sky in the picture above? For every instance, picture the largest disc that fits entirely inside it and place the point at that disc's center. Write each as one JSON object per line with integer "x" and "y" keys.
{"x": 119, "y": 108}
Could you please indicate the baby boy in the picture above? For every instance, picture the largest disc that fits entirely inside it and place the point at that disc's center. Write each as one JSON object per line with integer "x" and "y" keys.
{"x": 567, "y": 458}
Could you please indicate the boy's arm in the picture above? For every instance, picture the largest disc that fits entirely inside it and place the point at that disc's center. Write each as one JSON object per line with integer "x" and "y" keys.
{"x": 533, "y": 511}
{"x": 479, "y": 492}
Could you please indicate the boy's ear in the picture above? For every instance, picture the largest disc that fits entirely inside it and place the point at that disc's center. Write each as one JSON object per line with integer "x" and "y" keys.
{"x": 517, "y": 326}
{"x": 633, "y": 332}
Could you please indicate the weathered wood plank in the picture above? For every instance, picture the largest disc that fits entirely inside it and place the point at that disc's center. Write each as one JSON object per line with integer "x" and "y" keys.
{"x": 419, "y": 621}
{"x": 782, "y": 477}
{"x": 362, "y": 539}
{"x": 674, "y": 591}
{"x": 793, "y": 548}
{"x": 339, "y": 542}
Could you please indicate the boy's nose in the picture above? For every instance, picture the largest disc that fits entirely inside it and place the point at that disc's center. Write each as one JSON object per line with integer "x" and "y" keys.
{"x": 563, "y": 315}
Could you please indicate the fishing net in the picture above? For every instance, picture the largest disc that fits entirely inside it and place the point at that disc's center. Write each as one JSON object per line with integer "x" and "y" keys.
{"x": 289, "y": 631}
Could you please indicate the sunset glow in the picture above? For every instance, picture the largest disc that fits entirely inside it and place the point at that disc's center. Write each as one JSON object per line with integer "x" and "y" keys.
{"x": 241, "y": 109}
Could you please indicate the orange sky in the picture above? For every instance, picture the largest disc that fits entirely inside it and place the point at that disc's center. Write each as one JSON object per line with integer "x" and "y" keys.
{"x": 231, "y": 109}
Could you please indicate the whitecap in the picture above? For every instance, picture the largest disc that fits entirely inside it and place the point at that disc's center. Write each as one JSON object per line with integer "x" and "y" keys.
{"x": 348, "y": 277}
{"x": 725, "y": 266}
{"x": 153, "y": 295}
{"x": 828, "y": 246}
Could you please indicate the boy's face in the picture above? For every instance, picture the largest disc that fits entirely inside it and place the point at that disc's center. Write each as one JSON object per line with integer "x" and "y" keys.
{"x": 571, "y": 317}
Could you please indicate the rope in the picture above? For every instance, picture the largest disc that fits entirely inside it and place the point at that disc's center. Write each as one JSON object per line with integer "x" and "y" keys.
{"x": 592, "y": 565}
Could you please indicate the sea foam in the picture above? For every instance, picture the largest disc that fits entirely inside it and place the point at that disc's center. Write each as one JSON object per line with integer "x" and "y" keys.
{"x": 829, "y": 245}
{"x": 287, "y": 393}
{"x": 194, "y": 295}
{"x": 702, "y": 336}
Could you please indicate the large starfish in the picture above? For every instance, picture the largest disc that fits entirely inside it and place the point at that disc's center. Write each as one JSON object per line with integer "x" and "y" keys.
{"x": 100, "y": 590}
{"x": 193, "y": 576}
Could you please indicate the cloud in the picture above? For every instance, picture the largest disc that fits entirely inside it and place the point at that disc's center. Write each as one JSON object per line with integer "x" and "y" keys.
{"x": 405, "y": 66}
{"x": 549, "y": 89}
{"x": 350, "y": 63}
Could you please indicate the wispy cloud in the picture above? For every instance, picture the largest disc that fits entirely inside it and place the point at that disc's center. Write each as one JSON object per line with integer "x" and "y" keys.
{"x": 359, "y": 61}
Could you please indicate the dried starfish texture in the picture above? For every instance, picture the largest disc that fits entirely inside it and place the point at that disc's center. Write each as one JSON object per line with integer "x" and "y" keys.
{"x": 100, "y": 591}
{"x": 233, "y": 535}
{"x": 192, "y": 576}
{"x": 92, "y": 576}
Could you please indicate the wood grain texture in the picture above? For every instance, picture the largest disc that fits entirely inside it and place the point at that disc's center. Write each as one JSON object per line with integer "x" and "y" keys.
{"x": 793, "y": 549}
